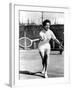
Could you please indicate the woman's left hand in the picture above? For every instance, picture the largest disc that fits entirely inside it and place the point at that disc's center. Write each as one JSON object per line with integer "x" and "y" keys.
{"x": 61, "y": 46}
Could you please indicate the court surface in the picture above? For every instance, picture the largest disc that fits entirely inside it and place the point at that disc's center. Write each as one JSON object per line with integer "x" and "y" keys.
{"x": 31, "y": 67}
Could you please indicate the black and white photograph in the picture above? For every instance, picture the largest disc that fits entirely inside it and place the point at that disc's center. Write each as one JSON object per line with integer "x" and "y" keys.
{"x": 39, "y": 39}
{"x": 41, "y": 44}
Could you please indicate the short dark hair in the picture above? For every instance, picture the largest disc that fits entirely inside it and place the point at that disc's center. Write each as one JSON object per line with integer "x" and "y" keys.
{"x": 46, "y": 21}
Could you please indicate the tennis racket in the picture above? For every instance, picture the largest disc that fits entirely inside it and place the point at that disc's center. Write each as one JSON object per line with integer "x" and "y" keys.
{"x": 26, "y": 42}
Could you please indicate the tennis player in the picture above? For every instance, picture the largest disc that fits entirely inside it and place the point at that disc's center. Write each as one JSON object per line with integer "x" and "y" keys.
{"x": 44, "y": 46}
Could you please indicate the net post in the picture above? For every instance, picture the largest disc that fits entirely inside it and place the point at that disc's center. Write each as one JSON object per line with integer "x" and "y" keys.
{"x": 25, "y": 40}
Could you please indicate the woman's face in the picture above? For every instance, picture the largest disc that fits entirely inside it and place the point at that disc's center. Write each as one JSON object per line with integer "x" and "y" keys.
{"x": 47, "y": 26}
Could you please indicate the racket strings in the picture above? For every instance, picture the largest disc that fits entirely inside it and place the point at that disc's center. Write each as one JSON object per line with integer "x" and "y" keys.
{"x": 25, "y": 42}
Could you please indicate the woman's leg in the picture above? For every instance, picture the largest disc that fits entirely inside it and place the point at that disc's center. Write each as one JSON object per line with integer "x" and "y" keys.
{"x": 46, "y": 57}
{"x": 45, "y": 63}
{"x": 45, "y": 60}
{"x": 42, "y": 57}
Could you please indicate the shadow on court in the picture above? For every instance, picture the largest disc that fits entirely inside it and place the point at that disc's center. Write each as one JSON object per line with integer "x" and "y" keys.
{"x": 32, "y": 73}
{"x": 39, "y": 74}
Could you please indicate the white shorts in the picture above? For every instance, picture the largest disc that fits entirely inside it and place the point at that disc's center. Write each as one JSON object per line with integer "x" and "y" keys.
{"x": 43, "y": 46}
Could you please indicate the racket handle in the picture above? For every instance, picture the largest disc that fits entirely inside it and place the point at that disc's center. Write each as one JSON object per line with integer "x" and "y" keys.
{"x": 40, "y": 39}
{"x": 36, "y": 39}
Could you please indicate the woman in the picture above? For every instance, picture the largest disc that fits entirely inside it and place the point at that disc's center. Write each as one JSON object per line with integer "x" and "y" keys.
{"x": 44, "y": 46}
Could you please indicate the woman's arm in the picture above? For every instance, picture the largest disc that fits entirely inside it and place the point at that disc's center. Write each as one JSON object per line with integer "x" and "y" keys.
{"x": 55, "y": 39}
{"x": 41, "y": 34}
{"x": 58, "y": 42}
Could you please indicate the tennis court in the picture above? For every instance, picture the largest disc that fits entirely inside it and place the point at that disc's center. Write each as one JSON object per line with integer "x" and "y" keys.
{"x": 31, "y": 67}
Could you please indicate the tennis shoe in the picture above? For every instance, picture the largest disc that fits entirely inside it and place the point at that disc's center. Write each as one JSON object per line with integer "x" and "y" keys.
{"x": 46, "y": 76}
{"x": 43, "y": 71}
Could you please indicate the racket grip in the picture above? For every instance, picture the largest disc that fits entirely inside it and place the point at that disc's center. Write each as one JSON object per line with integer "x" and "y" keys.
{"x": 41, "y": 39}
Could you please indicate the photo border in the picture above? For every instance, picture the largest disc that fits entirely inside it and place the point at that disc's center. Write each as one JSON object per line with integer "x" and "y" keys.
{"x": 14, "y": 46}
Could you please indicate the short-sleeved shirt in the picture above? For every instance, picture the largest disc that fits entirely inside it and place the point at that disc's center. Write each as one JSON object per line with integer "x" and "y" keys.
{"x": 46, "y": 37}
